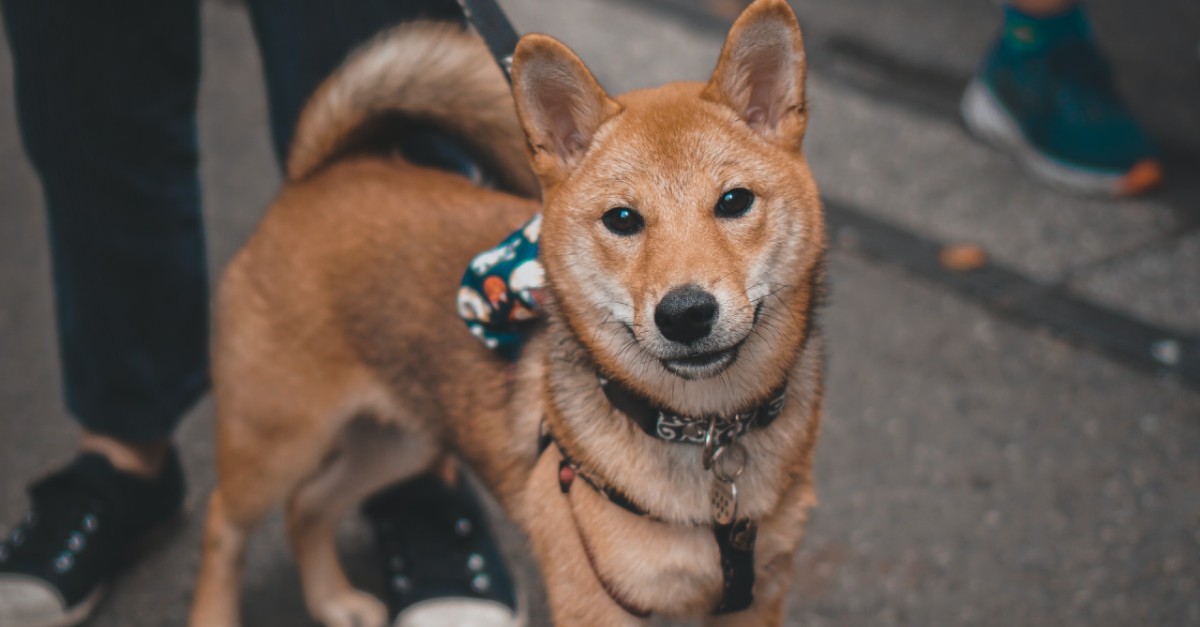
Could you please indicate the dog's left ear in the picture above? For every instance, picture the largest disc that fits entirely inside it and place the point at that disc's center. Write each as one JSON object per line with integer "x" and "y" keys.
{"x": 761, "y": 72}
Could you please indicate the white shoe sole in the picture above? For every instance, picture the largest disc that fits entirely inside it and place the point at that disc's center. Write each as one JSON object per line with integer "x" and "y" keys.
{"x": 68, "y": 618}
{"x": 989, "y": 120}
{"x": 459, "y": 613}
{"x": 84, "y": 609}
{"x": 475, "y": 612}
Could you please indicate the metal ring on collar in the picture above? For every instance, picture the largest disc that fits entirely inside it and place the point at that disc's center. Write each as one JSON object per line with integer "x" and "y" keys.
{"x": 724, "y": 472}
{"x": 711, "y": 446}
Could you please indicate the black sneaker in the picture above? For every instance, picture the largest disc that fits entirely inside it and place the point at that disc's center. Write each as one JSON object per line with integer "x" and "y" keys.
{"x": 440, "y": 562}
{"x": 84, "y": 521}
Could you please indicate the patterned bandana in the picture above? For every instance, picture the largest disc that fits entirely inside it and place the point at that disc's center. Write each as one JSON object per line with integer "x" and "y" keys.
{"x": 501, "y": 289}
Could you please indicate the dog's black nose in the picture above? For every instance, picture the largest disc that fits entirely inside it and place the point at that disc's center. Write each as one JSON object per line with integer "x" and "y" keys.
{"x": 686, "y": 314}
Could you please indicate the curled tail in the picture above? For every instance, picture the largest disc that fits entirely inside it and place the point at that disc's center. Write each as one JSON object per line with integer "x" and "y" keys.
{"x": 428, "y": 73}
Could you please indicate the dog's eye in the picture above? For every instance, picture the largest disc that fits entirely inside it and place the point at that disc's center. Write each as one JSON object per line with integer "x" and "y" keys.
{"x": 623, "y": 221}
{"x": 734, "y": 203}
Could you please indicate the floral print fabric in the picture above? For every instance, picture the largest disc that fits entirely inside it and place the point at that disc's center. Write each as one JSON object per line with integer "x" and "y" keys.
{"x": 501, "y": 289}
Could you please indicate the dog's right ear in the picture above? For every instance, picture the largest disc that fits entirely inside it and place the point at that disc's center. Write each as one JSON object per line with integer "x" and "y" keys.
{"x": 560, "y": 104}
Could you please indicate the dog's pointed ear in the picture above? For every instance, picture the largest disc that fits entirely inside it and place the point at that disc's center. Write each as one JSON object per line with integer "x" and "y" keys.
{"x": 761, "y": 72}
{"x": 560, "y": 103}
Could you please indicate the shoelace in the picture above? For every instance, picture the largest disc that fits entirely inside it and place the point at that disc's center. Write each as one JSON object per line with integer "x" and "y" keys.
{"x": 60, "y": 527}
{"x": 458, "y": 560}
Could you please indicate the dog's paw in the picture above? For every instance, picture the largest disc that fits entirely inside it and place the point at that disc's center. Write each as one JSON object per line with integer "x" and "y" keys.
{"x": 352, "y": 608}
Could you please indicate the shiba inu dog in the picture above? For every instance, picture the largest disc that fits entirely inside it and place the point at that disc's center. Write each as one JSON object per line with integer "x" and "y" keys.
{"x": 655, "y": 436}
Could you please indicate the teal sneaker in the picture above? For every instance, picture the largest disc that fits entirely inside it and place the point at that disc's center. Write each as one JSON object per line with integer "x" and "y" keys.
{"x": 1045, "y": 94}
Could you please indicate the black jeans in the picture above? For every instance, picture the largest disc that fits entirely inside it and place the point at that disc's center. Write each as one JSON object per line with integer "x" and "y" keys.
{"x": 106, "y": 101}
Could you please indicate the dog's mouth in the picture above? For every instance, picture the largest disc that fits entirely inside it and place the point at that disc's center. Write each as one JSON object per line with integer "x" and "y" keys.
{"x": 703, "y": 365}
{"x": 707, "y": 364}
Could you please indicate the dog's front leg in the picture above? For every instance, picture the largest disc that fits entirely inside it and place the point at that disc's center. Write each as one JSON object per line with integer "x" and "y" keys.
{"x": 577, "y": 598}
{"x": 574, "y": 591}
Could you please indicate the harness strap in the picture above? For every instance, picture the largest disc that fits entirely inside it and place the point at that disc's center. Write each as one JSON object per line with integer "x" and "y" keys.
{"x": 566, "y": 477}
{"x": 568, "y": 470}
{"x": 735, "y": 541}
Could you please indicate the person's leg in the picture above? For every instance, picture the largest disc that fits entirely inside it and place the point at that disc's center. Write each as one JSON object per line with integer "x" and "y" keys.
{"x": 106, "y": 97}
{"x": 106, "y": 100}
{"x": 1045, "y": 94}
{"x": 303, "y": 41}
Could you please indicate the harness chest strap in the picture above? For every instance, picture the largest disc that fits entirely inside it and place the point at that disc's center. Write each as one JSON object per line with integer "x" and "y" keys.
{"x": 566, "y": 476}
{"x": 735, "y": 540}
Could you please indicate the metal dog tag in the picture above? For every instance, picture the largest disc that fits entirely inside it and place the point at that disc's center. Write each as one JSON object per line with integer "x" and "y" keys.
{"x": 724, "y": 500}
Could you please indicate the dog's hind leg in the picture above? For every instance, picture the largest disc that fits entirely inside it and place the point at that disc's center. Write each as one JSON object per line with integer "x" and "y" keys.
{"x": 368, "y": 458}
{"x": 275, "y": 426}
{"x": 257, "y": 469}
{"x": 216, "y": 597}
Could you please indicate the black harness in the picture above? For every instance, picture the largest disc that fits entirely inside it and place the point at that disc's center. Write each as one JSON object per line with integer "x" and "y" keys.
{"x": 735, "y": 537}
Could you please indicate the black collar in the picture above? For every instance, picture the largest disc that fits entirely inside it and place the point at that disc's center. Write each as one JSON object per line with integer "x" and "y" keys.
{"x": 667, "y": 425}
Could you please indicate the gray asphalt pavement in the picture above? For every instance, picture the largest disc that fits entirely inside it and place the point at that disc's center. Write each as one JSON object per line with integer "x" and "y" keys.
{"x": 972, "y": 470}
